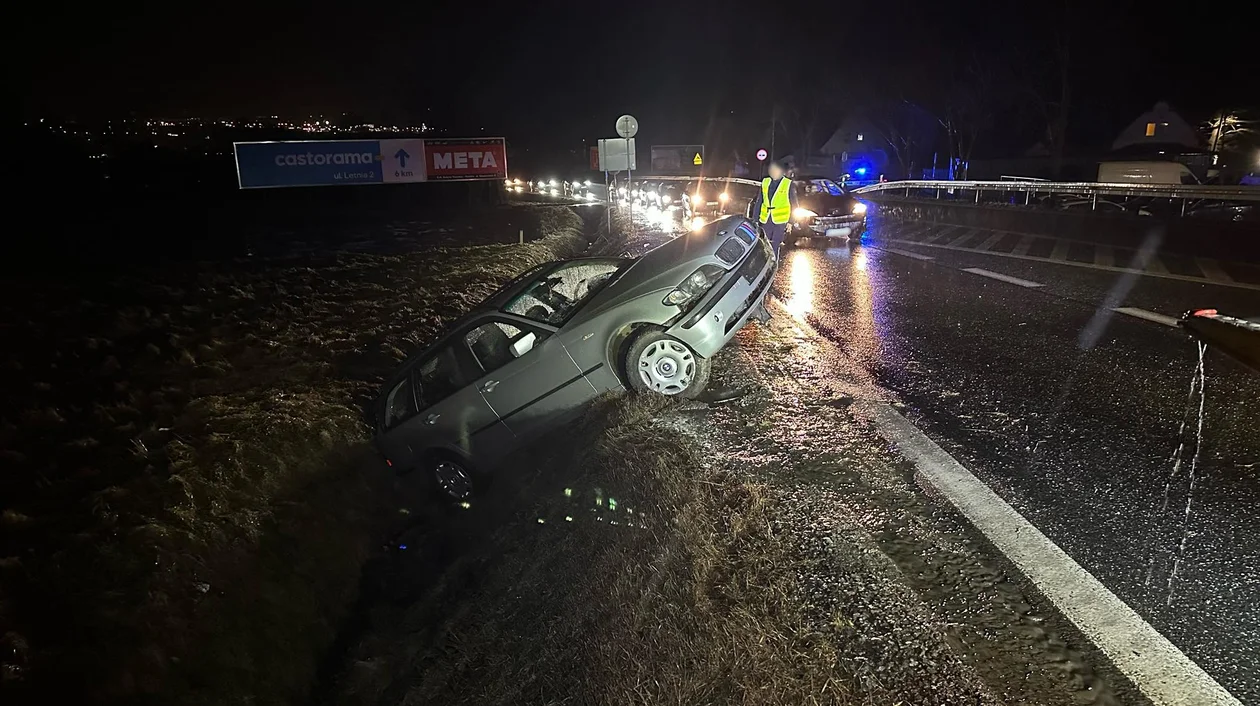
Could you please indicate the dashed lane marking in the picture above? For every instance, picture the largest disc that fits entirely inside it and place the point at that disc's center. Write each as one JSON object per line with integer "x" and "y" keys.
{"x": 1147, "y": 315}
{"x": 1002, "y": 278}
{"x": 1163, "y": 673}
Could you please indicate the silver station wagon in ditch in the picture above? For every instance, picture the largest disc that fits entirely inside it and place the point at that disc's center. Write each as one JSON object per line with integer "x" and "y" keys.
{"x": 526, "y": 359}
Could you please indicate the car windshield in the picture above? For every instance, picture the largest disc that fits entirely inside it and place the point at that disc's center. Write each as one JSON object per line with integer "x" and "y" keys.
{"x": 821, "y": 186}
{"x": 554, "y": 296}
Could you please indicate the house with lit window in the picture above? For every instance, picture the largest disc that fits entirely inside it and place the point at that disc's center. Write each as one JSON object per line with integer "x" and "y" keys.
{"x": 1156, "y": 129}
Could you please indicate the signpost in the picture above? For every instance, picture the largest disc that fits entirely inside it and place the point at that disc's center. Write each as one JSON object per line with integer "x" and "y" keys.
{"x": 627, "y": 128}
{"x": 762, "y": 154}
{"x": 261, "y": 165}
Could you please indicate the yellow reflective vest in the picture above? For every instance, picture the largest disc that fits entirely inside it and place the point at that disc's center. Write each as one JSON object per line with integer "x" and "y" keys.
{"x": 776, "y": 208}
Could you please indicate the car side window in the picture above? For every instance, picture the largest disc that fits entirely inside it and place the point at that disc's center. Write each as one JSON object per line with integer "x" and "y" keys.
{"x": 498, "y": 343}
{"x": 400, "y": 403}
{"x": 440, "y": 375}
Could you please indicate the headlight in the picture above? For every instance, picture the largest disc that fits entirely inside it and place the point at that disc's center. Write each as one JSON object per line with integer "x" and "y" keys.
{"x": 516, "y": 181}
{"x": 801, "y": 213}
{"x": 724, "y": 197}
{"x": 555, "y": 193}
{"x": 588, "y": 183}
{"x": 553, "y": 182}
{"x": 507, "y": 182}
{"x": 694, "y": 287}
{"x": 699, "y": 198}
{"x": 519, "y": 189}
{"x": 859, "y": 207}
{"x": 666, "y": 199}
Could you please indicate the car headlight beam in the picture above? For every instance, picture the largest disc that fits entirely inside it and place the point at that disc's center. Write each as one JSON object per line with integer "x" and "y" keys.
{"x": 859, "y": 208}
{"x": 801, "y": 213}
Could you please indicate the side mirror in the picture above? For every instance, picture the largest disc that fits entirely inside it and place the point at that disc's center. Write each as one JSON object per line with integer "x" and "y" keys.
{"x": 523, "y": 345}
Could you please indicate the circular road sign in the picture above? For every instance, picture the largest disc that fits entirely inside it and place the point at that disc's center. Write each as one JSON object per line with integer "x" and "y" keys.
{"x": 627, "y": 126}
{"x": 761, "y": 155}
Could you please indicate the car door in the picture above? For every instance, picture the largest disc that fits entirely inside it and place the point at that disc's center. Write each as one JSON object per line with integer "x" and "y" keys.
{"x": 528, "y": 377}
{"x": 435, "y": 404}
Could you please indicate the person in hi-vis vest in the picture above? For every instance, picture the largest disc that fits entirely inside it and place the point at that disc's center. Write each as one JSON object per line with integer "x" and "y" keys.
{"x": 774, "y": 205}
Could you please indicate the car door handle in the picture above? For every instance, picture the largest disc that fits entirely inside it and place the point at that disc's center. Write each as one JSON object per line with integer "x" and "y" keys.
{"x": 432, "y": 419}
{"x": 489, "y": 385}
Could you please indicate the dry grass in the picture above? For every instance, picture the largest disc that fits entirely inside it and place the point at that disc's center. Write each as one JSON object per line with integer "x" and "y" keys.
{"x": 187, "y": 494}
{"x": 680, "y": 592}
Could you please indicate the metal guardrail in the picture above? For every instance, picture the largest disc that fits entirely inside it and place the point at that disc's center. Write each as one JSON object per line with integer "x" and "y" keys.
{"x": 1077, "y": 188}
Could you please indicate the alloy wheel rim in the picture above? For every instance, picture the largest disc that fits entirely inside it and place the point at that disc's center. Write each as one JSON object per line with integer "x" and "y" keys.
{"x": 667, "y": 367}
{"x": 453, "y": 480}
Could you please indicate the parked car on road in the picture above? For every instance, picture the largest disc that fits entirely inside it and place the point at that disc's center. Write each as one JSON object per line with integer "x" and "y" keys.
{"x": 825, "y": 214}
{"x": 527, "y": 358}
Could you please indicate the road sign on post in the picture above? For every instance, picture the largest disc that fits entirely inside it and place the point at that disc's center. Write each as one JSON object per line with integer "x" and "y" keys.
{"x": 261, "y": 165}
{"x": 616, "y": 154}
{"x": 762, "y": 154}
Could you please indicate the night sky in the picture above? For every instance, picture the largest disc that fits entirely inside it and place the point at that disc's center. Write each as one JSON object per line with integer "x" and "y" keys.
{"x": 547, "y": 73}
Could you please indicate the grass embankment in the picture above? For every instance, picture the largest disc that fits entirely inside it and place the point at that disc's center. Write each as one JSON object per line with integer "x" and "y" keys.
{"x": 188, "y": 496}
{"x": 629, "y": 573}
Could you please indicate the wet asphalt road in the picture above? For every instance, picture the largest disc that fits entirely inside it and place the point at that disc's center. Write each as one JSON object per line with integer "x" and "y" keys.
{"x": 1079, "y": 417}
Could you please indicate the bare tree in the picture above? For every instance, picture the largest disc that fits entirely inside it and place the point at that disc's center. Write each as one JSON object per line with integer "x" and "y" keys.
{"x": 905, "y": 126}
{"x": 1047, "y": 88}
{"x": 1230, "y": 131}
{"x": 965, "y": 111}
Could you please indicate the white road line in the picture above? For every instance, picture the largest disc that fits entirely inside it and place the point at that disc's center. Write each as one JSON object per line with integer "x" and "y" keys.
{"x": 1156, "y": 266}
{"x": 1104, "y": 256}
{"x": 1074, "y": 263}
{"x": 1147, "y": 315}
{"x": 1162, "y": 672}
{"x": 967, "y": 233}
{"x": 990, "y": 241}
{"x": 945, "y": 233}
{"x": 1212, "y": 269}
{"x": 1060, "y": 250}
{"x": 907, "y": 253}
{"x": 1001, "y": 277}
{"x": 1021, "y": 248}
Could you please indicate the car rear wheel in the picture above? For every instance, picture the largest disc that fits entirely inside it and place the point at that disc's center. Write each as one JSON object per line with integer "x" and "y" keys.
{"x": 660, "y": 363}
{"x": 453, "y": 479}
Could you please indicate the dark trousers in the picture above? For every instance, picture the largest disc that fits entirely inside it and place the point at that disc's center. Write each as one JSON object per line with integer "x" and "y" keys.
{"x": 775, "y": 232}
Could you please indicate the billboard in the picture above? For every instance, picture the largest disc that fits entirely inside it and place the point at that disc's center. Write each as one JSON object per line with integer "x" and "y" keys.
{"x": 677, "y": 159}
{"x": 261, "y": 165}
{"x": 453, "y": 160}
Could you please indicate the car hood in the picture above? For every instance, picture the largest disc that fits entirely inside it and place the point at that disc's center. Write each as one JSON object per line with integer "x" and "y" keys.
{"x": 828, "y": 205}
{"x": 665, "y": 266}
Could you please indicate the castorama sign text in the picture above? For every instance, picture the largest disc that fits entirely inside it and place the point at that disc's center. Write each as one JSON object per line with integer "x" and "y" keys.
{"x": 329, "y": 163}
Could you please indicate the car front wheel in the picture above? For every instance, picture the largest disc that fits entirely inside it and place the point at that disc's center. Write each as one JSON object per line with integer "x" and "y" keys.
{"x": 660, "y": 363}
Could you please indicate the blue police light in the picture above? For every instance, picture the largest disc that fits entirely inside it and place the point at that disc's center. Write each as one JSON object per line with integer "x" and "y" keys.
{"x": 860, "y": 171}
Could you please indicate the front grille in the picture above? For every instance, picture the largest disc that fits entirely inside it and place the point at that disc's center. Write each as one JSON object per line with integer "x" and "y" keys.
{"x": 731, "y": 251}
{"x": 757, "y": 260}
{"x": 747, "y": 303}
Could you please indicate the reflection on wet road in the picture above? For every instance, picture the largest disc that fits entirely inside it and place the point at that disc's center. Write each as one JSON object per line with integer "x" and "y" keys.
{"x": 1097, "y": 446}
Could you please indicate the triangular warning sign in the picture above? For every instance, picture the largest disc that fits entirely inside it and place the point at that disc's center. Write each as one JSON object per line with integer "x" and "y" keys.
{"x": 696, "y": 160}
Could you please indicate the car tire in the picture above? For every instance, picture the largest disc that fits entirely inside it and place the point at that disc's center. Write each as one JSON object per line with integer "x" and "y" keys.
{"x": 659, "y": 363}
{"x": 452, "y": 478}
